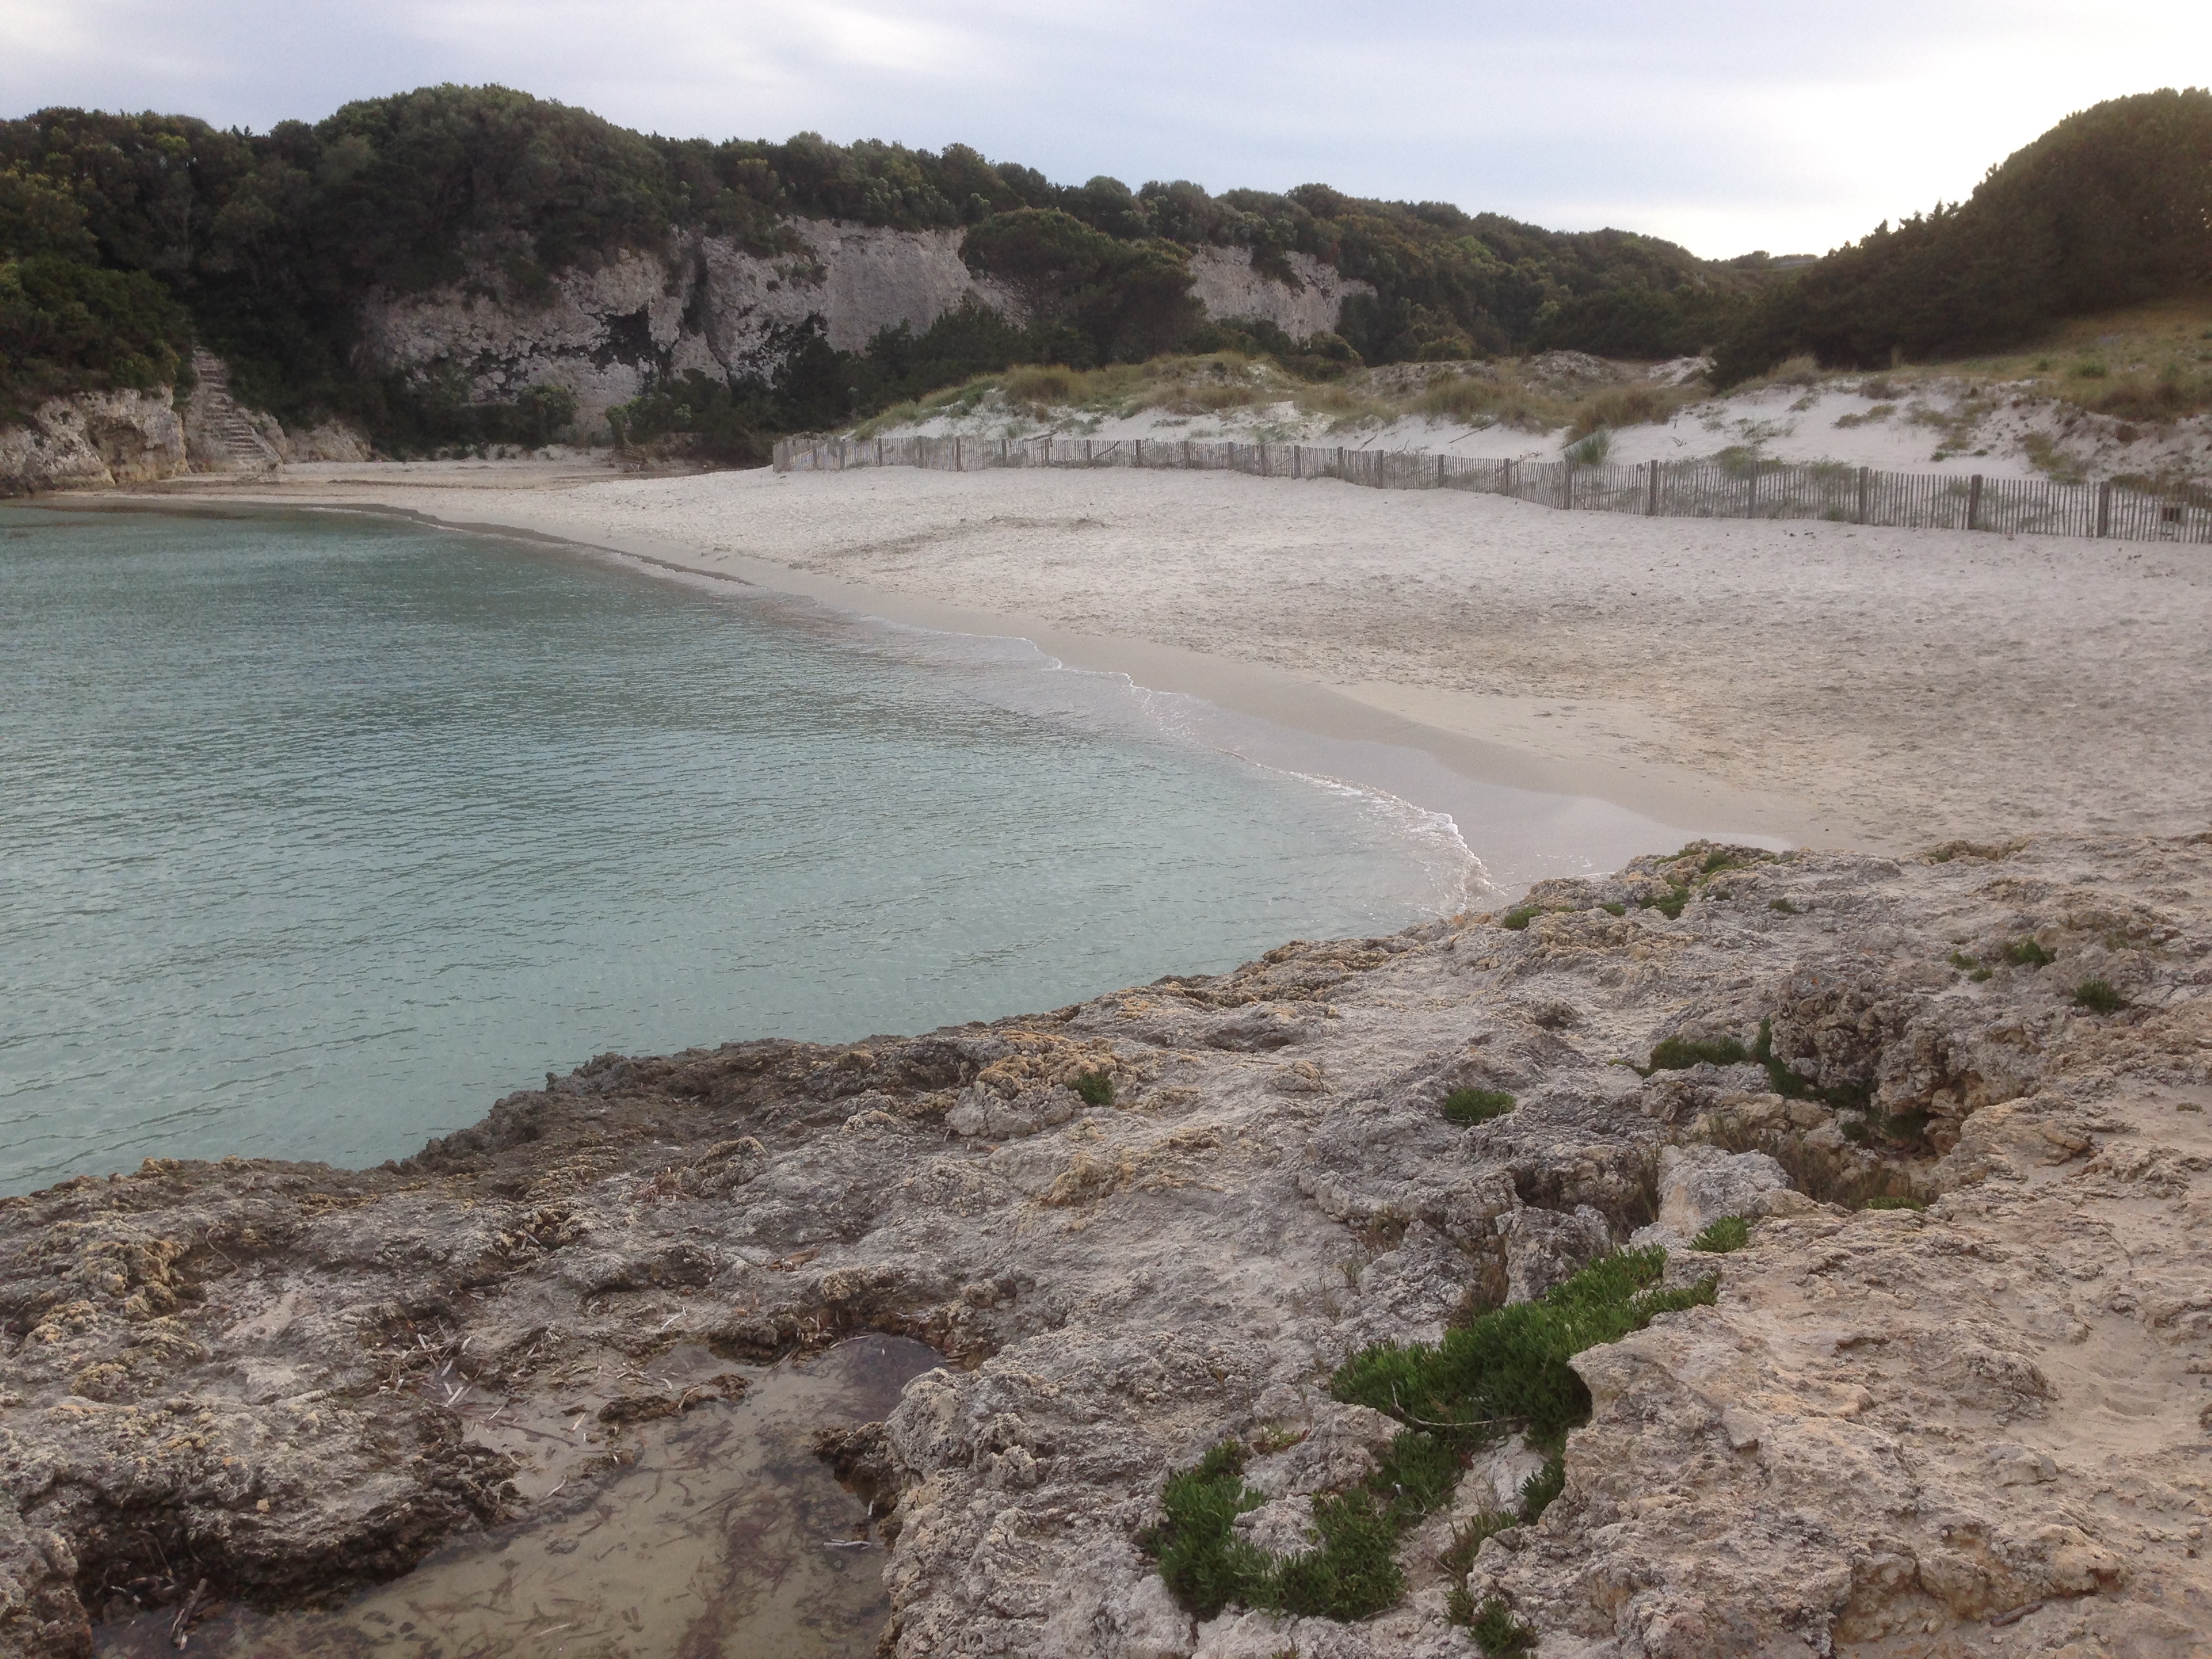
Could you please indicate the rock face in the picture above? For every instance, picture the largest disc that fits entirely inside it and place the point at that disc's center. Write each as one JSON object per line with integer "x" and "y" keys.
{"x": 1974, "y": 1429}
{"x": 714, "y": 308}
{"x": 99, "y": 440}
{"x": 1311, "y": 302}
{"x": 93, "y": 440}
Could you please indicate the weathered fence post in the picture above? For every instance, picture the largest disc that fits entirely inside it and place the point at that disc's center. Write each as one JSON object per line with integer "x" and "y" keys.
{"x": 1566, "y": 482}
{"x": 1440, "y": 472}
{"x": 1751, "y": 490}
{"x": 1866, "y": 489}
{"x": 1651, "y": 507}
{"x": 1974, "y": 502}
{"x": 2105, "y": 508}
{"x": 1505, "y": 478}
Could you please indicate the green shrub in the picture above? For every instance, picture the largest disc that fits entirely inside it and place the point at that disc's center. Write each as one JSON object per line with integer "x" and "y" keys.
{"x": 1521, "y": 916}
{"x": 1538, "y": 1490}
{"x": 1669, "y": 903}
{"x": 1783, "y": 907}
{"x": 1679, "y": 1054}
{"x": 1469, "y": 1106}
{"x": 1352, "y": 1573}
{"x": 1095, "y": 1088}
{"x": 1730, "y": 1232}
{"x": 2099, "y": 997}
{"x": 2028, "y": 953}
{"x": 1201, "y": 1558}
{"x": 1497, "y": 1632}
{"x": 70, "y": 327}
{"x": 1890, "y": 1201}
{"x": 1510, "y": 1366}
{"x": 1506, "y": 1368}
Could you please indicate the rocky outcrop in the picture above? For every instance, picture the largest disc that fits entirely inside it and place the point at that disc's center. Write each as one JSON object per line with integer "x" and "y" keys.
{"x": 99, "y": 440}
{"x": 603, "y": 331}
{"x": 91, "y": 441}
{"x": 1310, "y": 303}
{"x": 1159, "y": 1218}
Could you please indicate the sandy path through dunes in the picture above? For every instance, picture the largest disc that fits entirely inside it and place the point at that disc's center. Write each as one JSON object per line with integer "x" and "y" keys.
{"x": 1894, "y": 688}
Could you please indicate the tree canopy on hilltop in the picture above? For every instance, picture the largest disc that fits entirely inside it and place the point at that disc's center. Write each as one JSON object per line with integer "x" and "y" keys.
{"x": 2112, "y": 207}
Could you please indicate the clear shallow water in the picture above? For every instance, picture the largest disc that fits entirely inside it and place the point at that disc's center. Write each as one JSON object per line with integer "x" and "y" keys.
{"x": 318, "y": 834}
{"x": 723, "y": 1537}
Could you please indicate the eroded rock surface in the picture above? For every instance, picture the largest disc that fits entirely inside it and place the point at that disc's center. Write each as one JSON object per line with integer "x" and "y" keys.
{"x": 1975, "y": 1429}
{"x": 604, "y": 331}
{"x": 93, "y": 440}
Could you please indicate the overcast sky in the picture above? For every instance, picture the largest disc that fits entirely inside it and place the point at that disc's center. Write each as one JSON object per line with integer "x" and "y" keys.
{"x": 1724, "y": 125}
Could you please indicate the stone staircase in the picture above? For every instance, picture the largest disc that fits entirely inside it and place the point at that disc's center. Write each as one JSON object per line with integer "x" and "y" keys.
{"x": 222, "y": 439}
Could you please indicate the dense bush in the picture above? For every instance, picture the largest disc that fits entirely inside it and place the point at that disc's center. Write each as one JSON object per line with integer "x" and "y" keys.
{"x": 66, "y": 324}
{"x": 2112, "y": 206}
{"x": 69, "y": 327}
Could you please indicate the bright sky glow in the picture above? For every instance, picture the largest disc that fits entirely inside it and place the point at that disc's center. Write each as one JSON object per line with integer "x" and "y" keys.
{"x": 1724, "y": 125}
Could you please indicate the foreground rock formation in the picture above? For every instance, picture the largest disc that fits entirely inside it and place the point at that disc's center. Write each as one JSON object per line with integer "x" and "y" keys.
{"x": 1980, "y": 1428}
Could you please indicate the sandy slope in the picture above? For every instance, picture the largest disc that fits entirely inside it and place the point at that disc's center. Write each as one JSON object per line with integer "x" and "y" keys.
{"x": 1839, "y": 686}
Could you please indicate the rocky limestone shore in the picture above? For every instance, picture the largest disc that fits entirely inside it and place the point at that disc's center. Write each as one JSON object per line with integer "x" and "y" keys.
{"x": 1978, "y": 1428}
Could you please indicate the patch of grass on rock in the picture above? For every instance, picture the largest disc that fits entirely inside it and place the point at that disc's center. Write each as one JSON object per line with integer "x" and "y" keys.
{"x": 1095, "y": 1088}
{"x": 1470, "y": 1106}
{"x": 1679, "y": 1054}
{"x": 1504, "y": 1371}
{"x": 2099, "y": 997}
{"x": 1730, "y": 1232}
{"x": 1497, "y": 1632}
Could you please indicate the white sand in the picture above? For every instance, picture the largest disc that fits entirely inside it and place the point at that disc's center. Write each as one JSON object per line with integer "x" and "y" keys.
{"x": 1839, "y": 686}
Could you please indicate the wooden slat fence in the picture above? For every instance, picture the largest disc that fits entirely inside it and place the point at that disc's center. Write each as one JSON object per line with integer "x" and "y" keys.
{"x": 1687, "y": 490}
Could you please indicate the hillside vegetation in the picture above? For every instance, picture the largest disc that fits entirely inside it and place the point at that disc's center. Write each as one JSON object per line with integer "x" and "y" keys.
{"x": 125, "y": 238}
{"x": 2112, "y": 207}
{"x": 121, "y": 236}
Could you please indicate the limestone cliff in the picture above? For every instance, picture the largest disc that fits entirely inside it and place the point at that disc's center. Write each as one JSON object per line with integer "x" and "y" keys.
{"x": 1310, "y": 303}
{"x": 711, "y": 305}
{"x": 91, "y": 439}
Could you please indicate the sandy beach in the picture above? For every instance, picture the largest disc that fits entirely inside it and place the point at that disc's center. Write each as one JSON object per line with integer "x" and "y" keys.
{"x": 1817, "y": 683}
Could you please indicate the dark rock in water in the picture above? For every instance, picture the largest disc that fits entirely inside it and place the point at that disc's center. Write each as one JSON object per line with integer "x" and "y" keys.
{"x": 292, "y": 1382}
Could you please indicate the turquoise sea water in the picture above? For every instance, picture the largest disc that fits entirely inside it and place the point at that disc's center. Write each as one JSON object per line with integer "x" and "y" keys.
{"x": 318, "y": 833}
